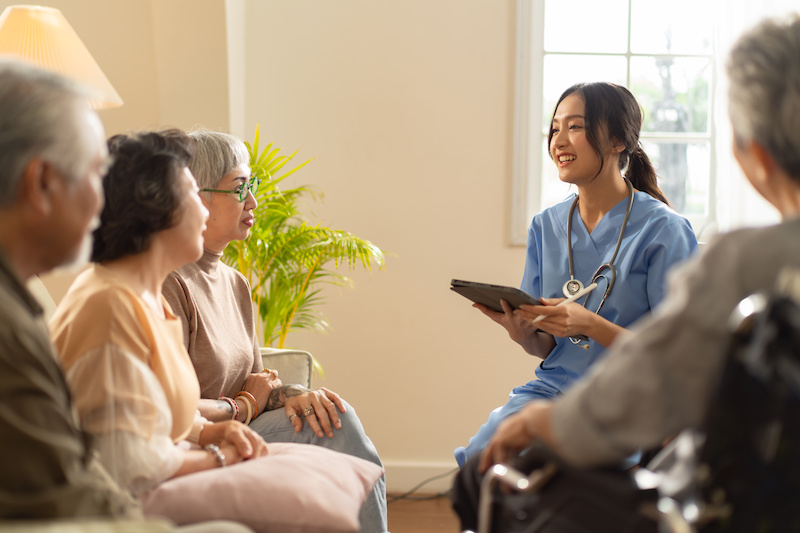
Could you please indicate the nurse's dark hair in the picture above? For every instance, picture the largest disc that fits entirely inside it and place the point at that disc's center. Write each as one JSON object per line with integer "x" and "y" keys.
{"x": 613, "y": 115}
{"x": 142, "y": 191}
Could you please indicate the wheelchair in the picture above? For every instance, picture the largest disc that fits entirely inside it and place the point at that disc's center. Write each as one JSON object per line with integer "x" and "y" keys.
{"x": 739, "y": 473}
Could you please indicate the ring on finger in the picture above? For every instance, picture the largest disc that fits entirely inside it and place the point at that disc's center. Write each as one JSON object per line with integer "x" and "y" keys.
{"x": 292, "y": 416}
{"x": 308, "y": 411}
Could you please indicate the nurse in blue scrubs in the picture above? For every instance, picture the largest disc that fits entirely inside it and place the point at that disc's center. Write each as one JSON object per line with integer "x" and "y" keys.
{"x": 617, "y": 231}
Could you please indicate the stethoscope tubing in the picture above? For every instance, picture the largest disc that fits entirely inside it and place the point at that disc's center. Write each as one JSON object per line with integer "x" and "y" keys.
{"x": 610, "y": 264}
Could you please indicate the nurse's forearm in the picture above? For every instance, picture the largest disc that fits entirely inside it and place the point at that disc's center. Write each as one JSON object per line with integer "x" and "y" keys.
{"x": 539, "y": 344}
{"x": 604, "y": 332}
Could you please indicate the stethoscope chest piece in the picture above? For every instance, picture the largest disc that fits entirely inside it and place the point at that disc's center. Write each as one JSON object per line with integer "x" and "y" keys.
{"x": 572, "y": 287}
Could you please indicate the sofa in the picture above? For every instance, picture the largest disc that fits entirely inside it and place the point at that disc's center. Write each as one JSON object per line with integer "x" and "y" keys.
{"x": 293, "y": 366}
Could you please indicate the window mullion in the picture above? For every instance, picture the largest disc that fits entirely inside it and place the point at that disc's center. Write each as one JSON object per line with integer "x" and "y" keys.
{"x": 526, "y": 188}
{"x": 628, "y": 48}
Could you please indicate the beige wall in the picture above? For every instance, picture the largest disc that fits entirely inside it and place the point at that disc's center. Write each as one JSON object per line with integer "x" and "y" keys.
{"x": 166, "y": 59}
{"x": 406, "y": 107}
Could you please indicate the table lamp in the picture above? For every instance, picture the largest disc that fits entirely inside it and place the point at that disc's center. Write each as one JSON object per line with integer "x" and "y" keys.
{"x": 42, "y": 36}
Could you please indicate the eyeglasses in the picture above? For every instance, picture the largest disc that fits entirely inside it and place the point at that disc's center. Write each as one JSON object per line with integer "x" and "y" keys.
{"x": 241, "y": 190}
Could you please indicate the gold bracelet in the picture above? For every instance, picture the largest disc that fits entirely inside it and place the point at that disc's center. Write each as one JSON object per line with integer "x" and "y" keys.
{"x": 249, "y": 398}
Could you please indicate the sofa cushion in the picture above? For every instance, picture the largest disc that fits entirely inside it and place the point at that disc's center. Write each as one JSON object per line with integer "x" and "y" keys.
{"x": 295, "y": 488}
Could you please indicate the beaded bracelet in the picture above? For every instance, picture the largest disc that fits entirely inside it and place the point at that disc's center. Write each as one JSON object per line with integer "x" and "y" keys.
{"x": 234, "y": 406}
{"x": 214, "y": 450}
{"x": 250, "y": 397}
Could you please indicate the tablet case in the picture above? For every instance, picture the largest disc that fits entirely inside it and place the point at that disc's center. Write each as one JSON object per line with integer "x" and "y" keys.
{"x": 490, "y": 295}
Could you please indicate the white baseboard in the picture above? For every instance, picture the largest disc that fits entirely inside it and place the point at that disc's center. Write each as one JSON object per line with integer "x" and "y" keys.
{"x": 402, "y": 476}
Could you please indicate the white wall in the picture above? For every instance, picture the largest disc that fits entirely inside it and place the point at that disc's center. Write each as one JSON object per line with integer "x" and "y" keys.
{"x": 406, "y": 108}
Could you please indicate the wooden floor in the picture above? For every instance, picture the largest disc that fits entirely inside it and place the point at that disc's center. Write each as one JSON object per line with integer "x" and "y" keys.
{"x": 424, "y": 516}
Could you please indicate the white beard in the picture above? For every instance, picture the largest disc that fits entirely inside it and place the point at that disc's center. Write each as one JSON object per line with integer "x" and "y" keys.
{"x": 81, "y": 258}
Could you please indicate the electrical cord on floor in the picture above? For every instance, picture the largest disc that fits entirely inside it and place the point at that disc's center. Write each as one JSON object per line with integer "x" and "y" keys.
{"x": 407, "y": 495}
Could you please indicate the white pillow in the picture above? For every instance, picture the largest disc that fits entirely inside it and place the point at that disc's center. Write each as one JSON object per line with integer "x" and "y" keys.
{"x": 295, "y": 488}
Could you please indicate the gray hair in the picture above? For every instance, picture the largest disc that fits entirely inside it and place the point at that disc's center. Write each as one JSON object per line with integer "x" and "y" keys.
{"x": 38, "y": 118}
{"x": 216, "y": 155}
{"x": 764, "y": 93}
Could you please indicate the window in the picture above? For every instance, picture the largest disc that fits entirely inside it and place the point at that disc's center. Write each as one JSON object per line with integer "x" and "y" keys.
{"x": 671, "y": 56}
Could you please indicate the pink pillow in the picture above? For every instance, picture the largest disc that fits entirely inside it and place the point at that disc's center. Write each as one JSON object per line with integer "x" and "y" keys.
{"x": 296, "y": 488}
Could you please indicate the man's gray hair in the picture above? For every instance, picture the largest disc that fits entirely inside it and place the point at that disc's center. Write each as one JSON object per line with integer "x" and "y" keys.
{"x": 764, "y": 93}
{"x": 216, "y": 155}
{"x": 38, "y": 112}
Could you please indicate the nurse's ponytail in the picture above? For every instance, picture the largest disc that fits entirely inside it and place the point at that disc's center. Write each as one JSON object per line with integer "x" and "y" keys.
{"x": 641, "y": 173}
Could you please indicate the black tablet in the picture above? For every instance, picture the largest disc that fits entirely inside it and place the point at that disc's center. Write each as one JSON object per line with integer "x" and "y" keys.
{"x": 490, "y": 295}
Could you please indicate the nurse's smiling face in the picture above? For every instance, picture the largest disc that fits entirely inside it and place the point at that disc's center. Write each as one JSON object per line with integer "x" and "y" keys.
{"x": 570, "y": 149}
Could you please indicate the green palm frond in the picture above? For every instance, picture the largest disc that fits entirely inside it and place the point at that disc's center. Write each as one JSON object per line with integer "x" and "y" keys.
{"x": 286, "y": 259}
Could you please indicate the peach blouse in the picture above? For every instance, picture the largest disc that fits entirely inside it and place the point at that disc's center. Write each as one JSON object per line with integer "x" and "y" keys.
{"x": 132, "y": 381}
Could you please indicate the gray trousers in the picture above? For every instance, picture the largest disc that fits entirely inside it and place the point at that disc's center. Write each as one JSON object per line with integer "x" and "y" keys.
{"x": 274, "y": 426}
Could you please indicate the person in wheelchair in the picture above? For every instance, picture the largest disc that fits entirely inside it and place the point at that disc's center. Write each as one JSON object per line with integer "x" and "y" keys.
{"x": 659, "y": 378}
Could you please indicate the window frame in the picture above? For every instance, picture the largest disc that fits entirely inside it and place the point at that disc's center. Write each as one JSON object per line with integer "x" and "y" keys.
{"x": 528, "y": 116}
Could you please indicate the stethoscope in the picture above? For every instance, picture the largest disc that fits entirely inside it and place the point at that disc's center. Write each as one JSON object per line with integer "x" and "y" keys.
{"x": 572, "y": 285}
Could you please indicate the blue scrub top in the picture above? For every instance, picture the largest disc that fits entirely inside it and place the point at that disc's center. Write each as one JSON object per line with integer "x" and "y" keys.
{"x": 656, "y": 238}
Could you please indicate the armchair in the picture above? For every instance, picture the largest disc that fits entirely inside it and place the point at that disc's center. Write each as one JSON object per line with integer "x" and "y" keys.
{"x": 293, "y": 366}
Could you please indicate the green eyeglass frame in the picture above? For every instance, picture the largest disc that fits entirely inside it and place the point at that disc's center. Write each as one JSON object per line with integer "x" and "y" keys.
{"x": 241, "y": 190}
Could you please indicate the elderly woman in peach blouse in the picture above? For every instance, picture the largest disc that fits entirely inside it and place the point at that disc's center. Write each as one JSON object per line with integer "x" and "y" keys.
{"x": 121, "y": 346}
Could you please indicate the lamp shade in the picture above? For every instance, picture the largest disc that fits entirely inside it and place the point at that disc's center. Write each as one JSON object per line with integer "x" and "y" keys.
{"x": 42, "y": 36}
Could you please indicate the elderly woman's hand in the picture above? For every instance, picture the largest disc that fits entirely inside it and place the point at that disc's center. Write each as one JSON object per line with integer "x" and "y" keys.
{"x": 318, "y": 407}
{"x": 232, "y": 435}
{"x": 261, "y": 385}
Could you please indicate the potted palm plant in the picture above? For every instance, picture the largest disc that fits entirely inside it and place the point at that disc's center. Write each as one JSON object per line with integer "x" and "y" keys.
{"x": 286, "y": 258}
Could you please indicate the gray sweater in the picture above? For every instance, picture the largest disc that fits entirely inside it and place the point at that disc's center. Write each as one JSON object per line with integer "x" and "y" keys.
{"x": 659, "y": 378}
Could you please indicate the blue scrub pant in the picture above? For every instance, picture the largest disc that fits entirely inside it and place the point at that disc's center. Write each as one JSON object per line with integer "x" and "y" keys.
{"x": 517, "y": 399}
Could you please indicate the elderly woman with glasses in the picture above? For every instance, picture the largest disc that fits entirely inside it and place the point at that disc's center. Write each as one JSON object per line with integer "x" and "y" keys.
{"x": 213, "y": 301}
